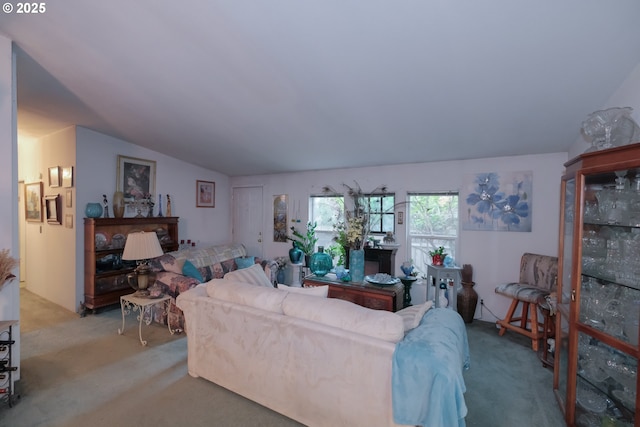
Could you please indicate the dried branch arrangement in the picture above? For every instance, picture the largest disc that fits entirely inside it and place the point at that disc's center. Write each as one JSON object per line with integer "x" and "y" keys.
{"x": 7, "y": 264}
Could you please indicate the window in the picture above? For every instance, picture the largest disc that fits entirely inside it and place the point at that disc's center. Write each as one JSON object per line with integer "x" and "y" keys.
{"x": 326, "y": 211}
{"x": 433, "y": 222}
{"x": 381, "y": 213}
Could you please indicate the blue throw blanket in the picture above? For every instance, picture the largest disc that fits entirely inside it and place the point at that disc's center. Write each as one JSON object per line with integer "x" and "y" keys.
{"x": 427, "y": 383}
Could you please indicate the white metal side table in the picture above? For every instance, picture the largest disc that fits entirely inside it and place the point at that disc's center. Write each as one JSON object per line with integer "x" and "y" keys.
{"x": 134, "y": 302}
{"x": 437, "y": 274}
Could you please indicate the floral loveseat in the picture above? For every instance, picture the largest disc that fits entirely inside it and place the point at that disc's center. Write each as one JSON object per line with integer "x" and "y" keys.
{"x": 181, "y": 270}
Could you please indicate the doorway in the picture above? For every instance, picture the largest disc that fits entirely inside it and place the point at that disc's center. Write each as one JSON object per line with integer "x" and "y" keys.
{"x": 248, "y": 220}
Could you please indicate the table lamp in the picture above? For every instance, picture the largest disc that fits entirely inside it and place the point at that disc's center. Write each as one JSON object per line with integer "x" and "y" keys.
{"x": 141, "y": 247}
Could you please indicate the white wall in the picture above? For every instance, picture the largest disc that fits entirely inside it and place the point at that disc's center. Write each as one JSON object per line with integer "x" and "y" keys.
{"x": 10, "y": 292}
{"x": 495, "y": 256}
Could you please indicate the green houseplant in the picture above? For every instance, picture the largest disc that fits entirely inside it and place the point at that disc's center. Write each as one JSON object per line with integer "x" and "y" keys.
{"x": 305, "y": 242}
{"x": 437, "y": 255}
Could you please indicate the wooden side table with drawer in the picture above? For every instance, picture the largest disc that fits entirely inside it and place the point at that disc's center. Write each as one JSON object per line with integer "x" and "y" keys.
{"x": 366, "y": 294}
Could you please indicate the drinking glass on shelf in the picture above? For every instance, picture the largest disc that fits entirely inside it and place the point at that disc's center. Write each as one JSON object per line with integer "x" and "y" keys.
{"x": 591, "y": 211}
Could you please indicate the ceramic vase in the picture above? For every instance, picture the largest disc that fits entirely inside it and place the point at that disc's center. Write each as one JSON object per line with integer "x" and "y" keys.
{"x": 467, "y": 300}
{"x": 118, "y": 204}
{"x": 356, "y": 264}
{"x": 93, "y": 210}
{"x": 295, "y": 254}
{"x": 407, "y": 268}
{"x": 321, "y": 262}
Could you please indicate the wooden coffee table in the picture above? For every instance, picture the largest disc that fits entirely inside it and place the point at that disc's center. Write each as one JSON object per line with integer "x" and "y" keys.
{"x": 365, "y": 294}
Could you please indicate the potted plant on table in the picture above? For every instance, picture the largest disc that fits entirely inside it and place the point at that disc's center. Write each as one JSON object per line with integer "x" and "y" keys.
{"x": 437, "y": 255}
{"x": 305, "y": 242}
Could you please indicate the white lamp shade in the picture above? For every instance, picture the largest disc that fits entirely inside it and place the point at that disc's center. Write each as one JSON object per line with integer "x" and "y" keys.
{"x": 142, "y": 246}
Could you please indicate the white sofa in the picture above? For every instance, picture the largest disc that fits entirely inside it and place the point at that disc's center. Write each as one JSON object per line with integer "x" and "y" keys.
{"x": 322, "y": 362}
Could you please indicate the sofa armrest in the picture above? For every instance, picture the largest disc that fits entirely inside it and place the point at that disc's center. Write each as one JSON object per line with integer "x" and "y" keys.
{"x": 270, "y": 268}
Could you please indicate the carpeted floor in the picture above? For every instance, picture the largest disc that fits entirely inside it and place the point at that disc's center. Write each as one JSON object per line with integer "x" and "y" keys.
{"x": 79, "y": 371}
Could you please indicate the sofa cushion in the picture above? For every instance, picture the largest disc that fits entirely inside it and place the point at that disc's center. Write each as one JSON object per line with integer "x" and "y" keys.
{"x": 173, "y": 283}
{"x": 412, "y": 315}
{"x": 254, "y": 275}
{"x": 268, "y": 299}
{"x": 206, "y": 257}
{"x": 314, "y": 291}
{"x": 244, "y": 262}
{"x": 523, "y": 292}
{"x": 345, "y": 315}
{"x": 190, "y": 270}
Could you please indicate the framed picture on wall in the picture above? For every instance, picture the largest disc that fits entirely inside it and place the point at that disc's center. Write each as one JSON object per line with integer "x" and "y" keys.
{"x": 67, "y": 176}
{"x": 280, "y": 209}
{"x": 33, "y": 201}
{"x": 68, "y": 220}
{"x": 53, "y": 213}
{"x": 205, "y": 194}
{"x": 54, "y": 176}
{"x": 68, "y": 199}
{"x": 136, "y": 178}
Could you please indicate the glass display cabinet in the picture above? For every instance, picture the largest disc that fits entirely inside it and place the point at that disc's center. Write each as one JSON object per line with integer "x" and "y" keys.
{"x": 598, "y": 300}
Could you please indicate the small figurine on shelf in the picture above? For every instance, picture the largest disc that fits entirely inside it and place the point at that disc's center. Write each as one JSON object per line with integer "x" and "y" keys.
{"x": 160, "y": 205}
{"x": 105, "y": 205}
{"x": 443, "y": 302}
{"x": 150, "y": 205}
{"x": 168, "y": 205}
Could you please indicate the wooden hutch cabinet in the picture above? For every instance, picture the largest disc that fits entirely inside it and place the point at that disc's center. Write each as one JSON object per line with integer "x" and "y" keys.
{"x": 105, "y": 273}
{"x": 598, "y": 311}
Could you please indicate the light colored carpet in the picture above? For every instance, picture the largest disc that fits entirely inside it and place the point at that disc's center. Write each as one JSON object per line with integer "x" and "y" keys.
{"x": 79, "y": 371}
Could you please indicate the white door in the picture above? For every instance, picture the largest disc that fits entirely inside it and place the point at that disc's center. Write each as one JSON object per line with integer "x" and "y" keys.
{"x": 247, "y": 219}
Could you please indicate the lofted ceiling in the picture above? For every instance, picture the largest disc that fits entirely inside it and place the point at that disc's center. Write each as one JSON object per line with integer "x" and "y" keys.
{"x": 266, "y": 86}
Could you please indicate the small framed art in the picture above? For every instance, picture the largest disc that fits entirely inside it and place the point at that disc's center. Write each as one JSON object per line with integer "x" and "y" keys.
{"x": 67, "y": 176}
{"x": 68, "y": 221}
{"x": 205, "y": 194}
{"x": 53, "y": 213}
{"x": 54, "y": 176}
{"x": 33, "y": 201}
{"x": 68, "y": 199}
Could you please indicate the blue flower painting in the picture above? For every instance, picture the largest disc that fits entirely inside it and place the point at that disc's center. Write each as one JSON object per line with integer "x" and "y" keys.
{"x": 497, "y": 201}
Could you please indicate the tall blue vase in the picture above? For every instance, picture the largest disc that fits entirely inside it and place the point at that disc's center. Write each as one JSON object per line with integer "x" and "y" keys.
{"x": 356, "y": 265}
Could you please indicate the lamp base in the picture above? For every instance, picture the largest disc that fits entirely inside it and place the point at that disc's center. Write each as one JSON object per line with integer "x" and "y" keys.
{"x": 144, "y": 293}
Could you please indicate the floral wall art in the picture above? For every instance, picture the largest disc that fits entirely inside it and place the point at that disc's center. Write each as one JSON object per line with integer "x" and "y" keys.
{"x": 497, "y": 201}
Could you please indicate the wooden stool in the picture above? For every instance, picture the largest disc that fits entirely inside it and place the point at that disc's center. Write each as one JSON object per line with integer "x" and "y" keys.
{"x": 526, "y": 324}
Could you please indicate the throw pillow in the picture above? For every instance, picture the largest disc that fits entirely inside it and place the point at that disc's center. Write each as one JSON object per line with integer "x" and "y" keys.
{"x": 411, "y": 316}
{"x": 172, "y": 264}
{"x": 245, "y": 262}
{"x": 190, "y": 270}
{"x": 316, "y": 291}
{"x": 253, "y": 275}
